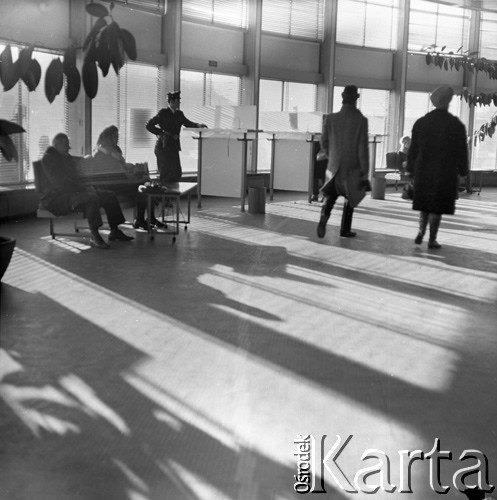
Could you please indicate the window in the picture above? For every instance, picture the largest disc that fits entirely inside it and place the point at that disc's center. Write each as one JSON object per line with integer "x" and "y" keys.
{"x": 207, "y": 98}
{"x": 484, "y": 153}
{"x": 294, "y": 18}
{"x": 442, "y": 25}
{"x": 368, "y": 23}
{"x": 285, "y": 107}
{"x": 418, "y": 104}
{"x": 224, "y": 12}
{"x": 488, "y": 28}
{"x": 128, "y": 101}
{"x": 152, "y": 6}
{"x": 41, "y": 120}
{"x": 374, "y": 105}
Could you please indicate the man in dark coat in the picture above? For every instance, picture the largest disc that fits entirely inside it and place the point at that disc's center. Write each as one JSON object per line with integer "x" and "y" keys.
{"x": 345, "y": 141}
{"x": 437, "y": 155}
{"x": 62, "y": 191}
{"x": 167, "y": 126}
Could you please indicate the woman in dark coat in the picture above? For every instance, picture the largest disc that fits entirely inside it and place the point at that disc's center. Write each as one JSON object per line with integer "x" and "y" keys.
{"x": 437, "y": 155}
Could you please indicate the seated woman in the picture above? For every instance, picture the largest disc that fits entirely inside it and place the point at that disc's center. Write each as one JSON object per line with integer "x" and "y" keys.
{"x": 108, "y": 151}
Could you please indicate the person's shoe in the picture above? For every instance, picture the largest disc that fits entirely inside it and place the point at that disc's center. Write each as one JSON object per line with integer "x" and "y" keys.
{"x": 419, "y": 239}
{"x": 434, "y": 245}
{"x": 321, "y": 229}
{"x": 314, "y": 197}
{"x": 98, "y": 242}
{"x": 157, "y": 223}
{"x": 348, "y": 234}
{"x": 118, "y": 235}
{"x": 140, "y": 224}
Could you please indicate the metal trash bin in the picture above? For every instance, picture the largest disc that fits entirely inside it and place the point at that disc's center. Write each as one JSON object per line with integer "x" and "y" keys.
{"x": 257, "y": 200}
{"x": 378, "y": 188}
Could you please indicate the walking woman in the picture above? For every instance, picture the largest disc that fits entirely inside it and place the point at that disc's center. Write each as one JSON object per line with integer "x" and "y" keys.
{"x": 437, "y": 155}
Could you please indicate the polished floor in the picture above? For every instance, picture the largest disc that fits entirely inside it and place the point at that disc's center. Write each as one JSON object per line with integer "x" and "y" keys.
{"x": 157, "y": 371}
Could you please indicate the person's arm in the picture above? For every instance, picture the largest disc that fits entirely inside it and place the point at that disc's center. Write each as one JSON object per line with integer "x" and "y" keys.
{"x": 152, "y": 125}
{"x": 324, "y": 139}
{"x": 364, "y": 148}
{"x": 413, "y": 150}
{"x": 189, "y": 124}
{"x": 463, "y": 155}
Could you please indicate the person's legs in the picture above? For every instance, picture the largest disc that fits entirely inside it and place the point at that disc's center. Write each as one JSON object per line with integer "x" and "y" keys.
{"x": 90, "y": 203}
{"x": 109, "y": 202}
{"x": 346, "y": 225}
{"x": 331, "y": 195}
{"x": 423, "y": 221}
{"x": 434, "y": 220}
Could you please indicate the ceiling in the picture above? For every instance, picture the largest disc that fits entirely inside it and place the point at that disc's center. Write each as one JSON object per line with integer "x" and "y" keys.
{"x": 472, "y": 4}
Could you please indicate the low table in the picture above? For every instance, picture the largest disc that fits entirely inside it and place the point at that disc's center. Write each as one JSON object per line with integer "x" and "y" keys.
{"x": 171, "y": 199}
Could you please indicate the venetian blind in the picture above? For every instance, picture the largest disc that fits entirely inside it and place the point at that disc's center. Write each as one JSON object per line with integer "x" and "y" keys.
{"x": 488, "y": 39}
{"x": 294, "y": 18}
{"x": 368, "y": 23}
{"x": 442, "y": 25}
{"x": 225, "y": 12}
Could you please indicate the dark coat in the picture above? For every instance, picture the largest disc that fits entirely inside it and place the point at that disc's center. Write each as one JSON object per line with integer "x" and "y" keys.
{"x": 61, "y": 182}
{"x": 168, "y": 125}
{"x": 437, "y": 155}
{"x": 345, "y": 140}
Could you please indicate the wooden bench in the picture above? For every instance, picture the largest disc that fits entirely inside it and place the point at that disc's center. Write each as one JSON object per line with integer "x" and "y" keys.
{"x": 99, "y": 175}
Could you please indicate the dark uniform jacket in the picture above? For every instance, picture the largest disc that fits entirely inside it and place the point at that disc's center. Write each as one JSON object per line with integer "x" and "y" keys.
{"x": 437, "y": 155}
{"x": 167, "y": 148}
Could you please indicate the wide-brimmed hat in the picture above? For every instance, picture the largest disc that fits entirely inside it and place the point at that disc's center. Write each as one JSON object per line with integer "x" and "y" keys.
{"x": 442, "y": 96}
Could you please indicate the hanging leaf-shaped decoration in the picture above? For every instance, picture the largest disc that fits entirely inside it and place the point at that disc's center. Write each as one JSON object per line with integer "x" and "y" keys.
{"x": 8, "y": 148}
{"x": 32, "y": 77}
{"x": 90, "y": 77}
{"x": 7, "y": 128}
{"x": 97, "y": 10}
{"x": 54, "y": 79}
{"x": 69, "y": 61}
{"x": 9, "y": 73}
{"x": 24, "y": 61}
{"x": 99, "y": 25}
{"x": 129, "y": 43}
{"x": 73, "y": 84}
{"x": 103, "y": 51}
{"x": 429, "y": 58}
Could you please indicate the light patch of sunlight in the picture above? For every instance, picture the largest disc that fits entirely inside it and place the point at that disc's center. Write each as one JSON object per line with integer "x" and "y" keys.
{"x": 197, "y": 486}
{"x": 35, "y": 420}
{"x": 71, "y": 245}
{"x": 136, "y": 495}
{"x": 441, "y": 278}
{"x": 178, "y": 407}
{"x": 91, "y": 402}
{"x": 8, "y": 364}
{"x": 140, "y": 486}
{"x": 319, "y": 313}
{"x": 167, "y": 418}
{"x": 233, "y": 395}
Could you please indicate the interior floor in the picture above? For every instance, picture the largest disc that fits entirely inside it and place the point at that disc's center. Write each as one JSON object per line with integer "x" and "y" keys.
{"x": 155, "y": 370}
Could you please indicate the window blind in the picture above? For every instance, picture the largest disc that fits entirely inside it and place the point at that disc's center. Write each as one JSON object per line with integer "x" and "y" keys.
{"x": 368, "y": 23}
{"x": 488, "y": 40}
{"x": 225, "y": 12}
{"x": 152, "y": 6}
{"x": 442, "y": 25}
{"x": 294, "y": 18}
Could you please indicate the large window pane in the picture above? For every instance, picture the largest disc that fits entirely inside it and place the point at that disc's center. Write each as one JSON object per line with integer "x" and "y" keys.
{"x": 294, "y": 18}
{"x": 484, "y": 153}
{"x": 442, "y": 25}
{"x": 40, "y": 118}
{"x": 226, "y": 12}
{"x": 368, "y": 23}
{"x": 488, "y": 38}
{"x": 207, "y": 98}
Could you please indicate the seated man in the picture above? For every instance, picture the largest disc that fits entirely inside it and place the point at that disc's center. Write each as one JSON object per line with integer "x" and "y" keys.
{"x": 65, "y": 192}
